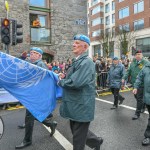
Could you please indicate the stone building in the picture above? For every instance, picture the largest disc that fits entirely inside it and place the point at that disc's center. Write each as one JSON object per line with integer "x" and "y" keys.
{"x": 60, "y": 20}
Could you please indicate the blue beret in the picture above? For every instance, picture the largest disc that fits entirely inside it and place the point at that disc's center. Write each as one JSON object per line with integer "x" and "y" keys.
{"x": 115, "y": 58}
{"x": 82, "y": 37}
{"x": 37, "y": 50}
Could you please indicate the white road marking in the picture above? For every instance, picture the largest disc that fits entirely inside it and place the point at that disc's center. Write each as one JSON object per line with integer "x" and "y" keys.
{"x": 125, "y": 106}
{"x": 61, "y": 139}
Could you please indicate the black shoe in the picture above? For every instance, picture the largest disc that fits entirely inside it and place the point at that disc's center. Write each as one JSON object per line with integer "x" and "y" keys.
{"x": 21, "y": 126}
{"x": 99, "y": 144}
{"x": 53, "y": 127}
{"x": 114, "y": 107}
{"x": 23, "y": 145}
{"x": 146, "y": 142}
{"x": 121, "y": 100}
{"x": 135, "y": 117}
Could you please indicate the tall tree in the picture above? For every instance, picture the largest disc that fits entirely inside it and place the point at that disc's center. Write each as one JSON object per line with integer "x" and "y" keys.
{"x": 106, "y": 40}
{"x": 125, "y": 40}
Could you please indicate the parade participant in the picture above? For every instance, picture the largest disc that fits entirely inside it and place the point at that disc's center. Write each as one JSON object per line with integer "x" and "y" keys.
{"x": 35, "y": 58}
{"x": 115, "y": 74}
{"x": 78, "y": 102}
{"x": 143, "y": 79}
{"x": 135, "y": 67}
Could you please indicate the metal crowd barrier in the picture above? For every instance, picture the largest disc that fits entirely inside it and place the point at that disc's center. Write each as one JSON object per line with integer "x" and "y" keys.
{"x": 101, "y": 82}
{"x": 102, "y": 86}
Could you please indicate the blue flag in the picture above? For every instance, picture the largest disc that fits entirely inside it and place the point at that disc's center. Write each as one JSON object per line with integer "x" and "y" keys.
{"x": 36, "y": 88}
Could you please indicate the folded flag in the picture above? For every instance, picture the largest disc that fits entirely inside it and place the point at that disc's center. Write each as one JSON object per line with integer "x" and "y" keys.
{"x": 36, "y": 88}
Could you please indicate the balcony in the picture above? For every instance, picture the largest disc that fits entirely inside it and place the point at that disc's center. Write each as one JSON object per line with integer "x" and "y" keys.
{"x": 40, "y": 35}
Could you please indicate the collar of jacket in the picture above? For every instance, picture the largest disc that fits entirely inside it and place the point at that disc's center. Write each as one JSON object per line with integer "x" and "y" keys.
{"x": 36, "y": 61}
{"x": 82, "y": 56}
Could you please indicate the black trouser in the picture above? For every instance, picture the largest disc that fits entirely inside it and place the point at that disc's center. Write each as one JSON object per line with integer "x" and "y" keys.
{"x": 117, "y": 96}
{"x": 29, "y": 123}
{"x": 82, "y": 135}
{"x": 147, "y": 131}
{"x": 139, "y": 99}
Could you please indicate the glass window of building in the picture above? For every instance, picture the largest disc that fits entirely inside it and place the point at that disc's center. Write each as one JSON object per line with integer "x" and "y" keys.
{"x": 107, "y": 31}
{"x": 113, "y": 18}
{"x": 107, "y": 19}
{"x": 144, "y": 45}
{"x": 125, "y": 27}
{"x": 97, "y": 21}
{"x": 94, "y": 2}
{"x": 113, "y": 5}
{"x": 96, "y": 33}
{"x": 139, "y": 24}
{"x": 97, "y": 50}
{"x": 107, "y": 8}
{"x": 113, "y": 31}
{"x": 139, "y": 7}
{"x": 39, "y": 3}
{"x": 120, "y": 0}
{"x": 97, "y": 9}
{"x": 123, "y": 12}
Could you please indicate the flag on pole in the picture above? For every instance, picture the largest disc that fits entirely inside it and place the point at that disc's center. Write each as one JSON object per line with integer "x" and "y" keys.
{"x": 36, "y": 88}
{"x": 6, "y": 5}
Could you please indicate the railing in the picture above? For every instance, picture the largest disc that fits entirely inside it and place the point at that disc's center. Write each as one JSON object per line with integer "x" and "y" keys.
{"x": 40, "y": 35}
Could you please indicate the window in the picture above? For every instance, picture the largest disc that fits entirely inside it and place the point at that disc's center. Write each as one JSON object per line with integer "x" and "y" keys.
{"x": 42, "y": 19}
{"x": 120, "y": 0}
{"x": 39, "y": 3}
{"x": 97, "y": 49}
{"x": 113, "y": 18}
{"x": 139, "y": 7}
{"x": 107, "y": 8}
{"x": 124, "y": 13}
{"x": 107, "y": 31}
{"x": 94, "y": 2}
{"x": 96, "y": 33}
{"x": 97, "y": 21}
{"x": 107, "y": 19}
{"x": 139, "y": 24}
{"x": 125, "y": 27}
{"x": 113, "y": 5}
{"x": 113, "y": 31}
{"x": 97, "y": 9}
{"x": 144, "y": 45}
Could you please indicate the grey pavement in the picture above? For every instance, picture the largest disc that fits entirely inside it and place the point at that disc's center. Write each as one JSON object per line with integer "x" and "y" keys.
{"x": 117, "y": 128}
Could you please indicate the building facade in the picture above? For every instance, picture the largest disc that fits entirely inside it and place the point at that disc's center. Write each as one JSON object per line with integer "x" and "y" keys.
{"x": 132, "y": 16}
{"x": 101, "y": 20}
{"x": 59, "y": 21}
{"x": 135, "y": 17}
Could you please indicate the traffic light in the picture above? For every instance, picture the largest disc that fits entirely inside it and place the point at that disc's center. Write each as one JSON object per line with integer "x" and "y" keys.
{"x": 16, "y": 35}
{"x": 5, "y": 31}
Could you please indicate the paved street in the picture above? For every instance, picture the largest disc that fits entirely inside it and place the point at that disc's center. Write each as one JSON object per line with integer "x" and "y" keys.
{"x": 115, "y": 126}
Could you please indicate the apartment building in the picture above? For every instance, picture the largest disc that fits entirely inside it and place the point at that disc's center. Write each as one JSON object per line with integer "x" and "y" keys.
{"x": 134, "y": 16}
{"x": 130, "y": 15}
{"x": 101, "y": 19}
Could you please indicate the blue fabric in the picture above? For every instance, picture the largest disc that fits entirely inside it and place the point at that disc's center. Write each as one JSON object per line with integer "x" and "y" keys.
{"x": 37, "y": 49}
{"x": 82, "y": 37}
{"x": 36, "y": 88}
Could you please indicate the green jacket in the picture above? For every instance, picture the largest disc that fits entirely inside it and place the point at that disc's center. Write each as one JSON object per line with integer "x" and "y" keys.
{"x": 144, "y": 78}
{"x": 134, "y": 70}
{"x": 78, "y": 102}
